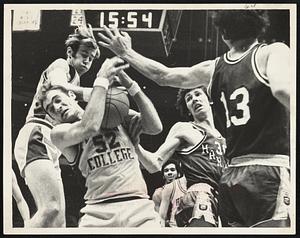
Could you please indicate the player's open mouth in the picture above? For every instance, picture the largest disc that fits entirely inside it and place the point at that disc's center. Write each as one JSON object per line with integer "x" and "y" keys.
{"x": 64, "y": 113}
{"x": 197, "y": 107}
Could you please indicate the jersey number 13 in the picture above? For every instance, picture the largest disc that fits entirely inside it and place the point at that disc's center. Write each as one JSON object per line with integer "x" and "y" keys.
{"x": 240, "y": 106}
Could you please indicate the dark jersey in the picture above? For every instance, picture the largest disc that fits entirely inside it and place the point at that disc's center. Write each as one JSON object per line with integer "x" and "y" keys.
{"x": 203, "y": 162}
{"x": 246, "y": 113}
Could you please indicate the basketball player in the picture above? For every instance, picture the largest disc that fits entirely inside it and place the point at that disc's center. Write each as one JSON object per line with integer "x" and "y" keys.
{"x": 36, "y": 156}
{"x": 250, "y": 90}
{"x": 116, "y": 191}
{"x": 21, "y": 202}
{"x": 200, "y": 149}
{"x": 170, "y": 173}
{"x": 171, "y": 194}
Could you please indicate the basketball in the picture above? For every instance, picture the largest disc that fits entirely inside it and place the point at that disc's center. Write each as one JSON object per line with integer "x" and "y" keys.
{"x": 116, "y": 107}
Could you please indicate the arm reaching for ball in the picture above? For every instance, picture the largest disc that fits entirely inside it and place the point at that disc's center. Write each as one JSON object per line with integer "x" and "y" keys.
{"x": 68, "y": 134}
{"x": 150, "y": 120}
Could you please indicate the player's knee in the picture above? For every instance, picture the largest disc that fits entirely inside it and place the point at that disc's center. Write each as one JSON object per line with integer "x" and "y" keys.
{"x": 52, "y": 210}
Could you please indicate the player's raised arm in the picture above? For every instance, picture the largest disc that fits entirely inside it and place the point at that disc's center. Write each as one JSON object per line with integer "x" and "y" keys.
{"x": 278, "y": 71}
{"x": 180, "y": 77}
{"x": 67, "y": 134}
{"x": 150, "y": 120}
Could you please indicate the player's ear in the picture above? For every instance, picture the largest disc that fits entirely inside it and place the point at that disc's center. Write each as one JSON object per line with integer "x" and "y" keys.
{"x": 72, "y": 95}
{"x": 70, "y": 52}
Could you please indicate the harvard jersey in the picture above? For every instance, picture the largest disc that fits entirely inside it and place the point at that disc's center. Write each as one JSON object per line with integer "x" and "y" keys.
{"x": 178, "y": 187}
{"x": 111, "y": 167}
{"x": 246, "y": 113}
{"x": 36, "y": 109}
{"x": 203, "y": 162}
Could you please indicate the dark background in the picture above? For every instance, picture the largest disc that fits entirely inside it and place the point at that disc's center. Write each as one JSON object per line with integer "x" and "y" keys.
{"x": 32, "y": 52}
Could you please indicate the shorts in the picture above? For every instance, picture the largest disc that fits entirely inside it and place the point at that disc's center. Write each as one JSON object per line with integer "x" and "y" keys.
{"x": 132, "y": 213}
{"x": 253, "y": 194}
{"x": 200, "y": 201}
{"x": 34, "y": 143}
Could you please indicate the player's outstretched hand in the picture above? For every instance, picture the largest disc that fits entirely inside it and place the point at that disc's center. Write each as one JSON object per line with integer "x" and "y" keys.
{"x": 118, "y": 42}
{"x": 111, "y": 67}
{"x": 135, "y": 129}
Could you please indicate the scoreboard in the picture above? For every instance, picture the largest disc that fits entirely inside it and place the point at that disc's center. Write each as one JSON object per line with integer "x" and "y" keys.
{"x": 152, "y": 31}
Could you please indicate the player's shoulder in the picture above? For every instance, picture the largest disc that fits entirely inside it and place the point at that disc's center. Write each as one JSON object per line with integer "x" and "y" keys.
{"x": 167, "y": 191}
{"x": 59, "y": 63}
{"x": 274, "y": 48}
{"x": 157, "y": 193}
{"x": 180, "y": 125}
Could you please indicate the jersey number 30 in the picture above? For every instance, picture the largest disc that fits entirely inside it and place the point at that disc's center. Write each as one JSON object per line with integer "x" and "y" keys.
{"x": 240, "y": 106}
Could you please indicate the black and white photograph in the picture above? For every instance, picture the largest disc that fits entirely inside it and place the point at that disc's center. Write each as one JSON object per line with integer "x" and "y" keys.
{"x": 149, "y": 118}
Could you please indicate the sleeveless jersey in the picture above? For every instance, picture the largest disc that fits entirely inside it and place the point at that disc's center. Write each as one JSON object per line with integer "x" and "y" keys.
{"x": 36, "y": 110}
{"x": 178, "y": 190}
{"x": 246, "y": 113}
{"x": 111, "y": 167}
{"x": 203, "y": 162}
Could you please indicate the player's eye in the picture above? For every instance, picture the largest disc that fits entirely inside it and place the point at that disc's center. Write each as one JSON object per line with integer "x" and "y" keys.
{"x": 188, "y": 98}
{"x": 172, "y": 170}
{"x": 57, "y": 100}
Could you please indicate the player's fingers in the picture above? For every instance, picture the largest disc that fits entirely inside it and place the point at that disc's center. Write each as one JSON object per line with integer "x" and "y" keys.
{"x": 121, "y": 67}
{"x": 108, "y": 32}
{"x": 115, "y": 31}
{"x": 103, "y": 44}
{"x": 116, "y": 60}
{"x": 125, "y": 34}
{"x": 104, "y": 38}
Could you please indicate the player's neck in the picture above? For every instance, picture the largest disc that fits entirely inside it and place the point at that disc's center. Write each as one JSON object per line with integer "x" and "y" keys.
{"x": 70, "y": 62}
{"x": 241, "y": 46}
{"x": 207, "y": 123}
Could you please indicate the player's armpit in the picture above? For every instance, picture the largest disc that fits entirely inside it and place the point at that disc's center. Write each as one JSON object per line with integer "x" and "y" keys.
{"x": 72, "y": 153}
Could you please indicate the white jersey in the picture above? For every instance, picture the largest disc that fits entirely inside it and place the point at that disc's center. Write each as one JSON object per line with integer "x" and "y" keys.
{"x": 178, "y": 187}
{"x": 111, "y": 167}
{"x": 36, "y": 109}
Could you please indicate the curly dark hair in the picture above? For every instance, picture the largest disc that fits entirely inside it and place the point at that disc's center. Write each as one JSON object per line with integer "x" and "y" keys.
{"x": 181, "y": 104}
{"x": 83, "y": 36}
{"x": 177, "y": 166}
{"x": 241, "y": 24}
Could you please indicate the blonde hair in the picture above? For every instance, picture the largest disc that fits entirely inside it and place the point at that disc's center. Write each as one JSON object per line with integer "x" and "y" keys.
{"x": 83, "y": 35}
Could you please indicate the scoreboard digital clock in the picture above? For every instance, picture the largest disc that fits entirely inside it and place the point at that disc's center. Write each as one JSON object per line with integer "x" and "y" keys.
{"x": 152, "y": 31}
{"x": 125, "y": 19}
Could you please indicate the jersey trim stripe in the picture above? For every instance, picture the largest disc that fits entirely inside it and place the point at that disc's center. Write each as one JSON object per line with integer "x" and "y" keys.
{"x": 183, "y": 152}
{"x": 262, "y": 78}
{"x": 182, "y": 189}
{"x": 72, "y": 73}
{"x": 230, "y": 61}
{"x": 40, "y": 121}
{"x": 260, "y": 159}
{"x": 77, "y": 156}
{"x": 173, "y": 190}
